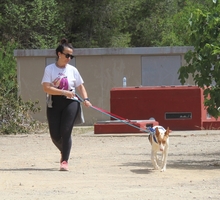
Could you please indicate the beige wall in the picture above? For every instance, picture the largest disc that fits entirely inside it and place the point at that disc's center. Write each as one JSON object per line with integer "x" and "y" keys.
{"x": 101, "y": 73}
{"x": 30, "y": 70}
{"x": 101, "y": 69}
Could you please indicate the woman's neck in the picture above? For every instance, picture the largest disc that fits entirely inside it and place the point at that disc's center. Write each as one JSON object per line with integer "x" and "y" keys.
{"x": 60, "y": 65}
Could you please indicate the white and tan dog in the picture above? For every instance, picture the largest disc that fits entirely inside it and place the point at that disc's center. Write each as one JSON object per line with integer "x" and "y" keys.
{"x": 159, "y": 139}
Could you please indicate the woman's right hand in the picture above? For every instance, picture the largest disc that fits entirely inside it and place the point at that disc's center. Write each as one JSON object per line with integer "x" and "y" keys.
{"x": 68, "y": 94}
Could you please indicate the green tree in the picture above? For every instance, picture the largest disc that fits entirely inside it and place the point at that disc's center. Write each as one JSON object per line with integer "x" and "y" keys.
{"x": 31, "y": 24}
{"x": 152, "y": 23}
{"x": 203, "y": 62}
{"x": 175, "y": 22}
{"x": 90, "y": 23}
{"x": 93, "y": 23}
{"x": 141, "y": 20}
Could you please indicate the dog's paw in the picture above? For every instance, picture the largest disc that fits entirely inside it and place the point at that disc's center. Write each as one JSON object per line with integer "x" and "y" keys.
{"x": 163, "y": 169}
{"x": 156, "y": 167}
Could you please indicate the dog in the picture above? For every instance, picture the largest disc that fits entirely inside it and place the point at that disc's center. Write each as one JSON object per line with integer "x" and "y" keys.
{"x": 159, "y": 139}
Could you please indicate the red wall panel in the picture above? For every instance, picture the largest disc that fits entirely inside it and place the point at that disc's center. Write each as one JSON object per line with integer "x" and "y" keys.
{"x": 142, "y": 103}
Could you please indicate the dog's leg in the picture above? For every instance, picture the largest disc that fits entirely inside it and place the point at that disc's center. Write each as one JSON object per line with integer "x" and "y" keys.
{"x": 164, "y": 159}
{"x": 154, "y": 159}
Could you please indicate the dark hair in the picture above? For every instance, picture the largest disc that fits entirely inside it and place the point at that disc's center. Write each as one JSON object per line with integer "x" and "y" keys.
{"x": 63, "y": 44}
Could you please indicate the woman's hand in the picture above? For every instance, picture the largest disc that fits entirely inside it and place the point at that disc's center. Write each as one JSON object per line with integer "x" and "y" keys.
{"x": 49, "y": 89}
{"x": 68, "y": 94}
{"x": 87, "y": 103}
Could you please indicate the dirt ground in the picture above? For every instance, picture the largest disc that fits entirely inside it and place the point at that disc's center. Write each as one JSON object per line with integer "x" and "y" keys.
{"x": 110, "y": 167}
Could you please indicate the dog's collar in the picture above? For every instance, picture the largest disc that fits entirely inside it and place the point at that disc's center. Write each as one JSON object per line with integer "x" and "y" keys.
{"x": 152, "y": 132}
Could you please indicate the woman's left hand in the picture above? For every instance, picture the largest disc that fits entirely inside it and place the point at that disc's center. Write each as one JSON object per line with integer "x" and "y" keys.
{"x": 87, "y": 103}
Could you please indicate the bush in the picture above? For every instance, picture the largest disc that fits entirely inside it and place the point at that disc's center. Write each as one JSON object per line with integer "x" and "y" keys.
{"x": 14, "y": 113}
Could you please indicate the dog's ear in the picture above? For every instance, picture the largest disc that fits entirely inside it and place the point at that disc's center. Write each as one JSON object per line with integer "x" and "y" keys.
{"x": 157, "y": 131}
{"x": 167, "y": 131}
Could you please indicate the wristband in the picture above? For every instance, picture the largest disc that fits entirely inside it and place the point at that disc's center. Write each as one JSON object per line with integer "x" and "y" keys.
{"x": 86, "y": 99}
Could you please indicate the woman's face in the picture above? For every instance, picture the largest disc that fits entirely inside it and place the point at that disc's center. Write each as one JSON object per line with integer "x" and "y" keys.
{"x": 66, "y": 56}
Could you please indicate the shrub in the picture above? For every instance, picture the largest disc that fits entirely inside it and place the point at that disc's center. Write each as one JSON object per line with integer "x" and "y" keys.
{"x": 14, "y": 113}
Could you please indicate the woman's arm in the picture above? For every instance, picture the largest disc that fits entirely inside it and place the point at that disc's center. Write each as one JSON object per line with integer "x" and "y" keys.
{"x": 84, "y": 95}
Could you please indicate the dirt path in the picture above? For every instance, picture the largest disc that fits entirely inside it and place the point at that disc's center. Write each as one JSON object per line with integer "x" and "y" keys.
{"x": 110, "y": 167}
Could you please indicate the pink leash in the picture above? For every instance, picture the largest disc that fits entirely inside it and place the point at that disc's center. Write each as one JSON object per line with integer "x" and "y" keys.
{"x": 121, "y": 119}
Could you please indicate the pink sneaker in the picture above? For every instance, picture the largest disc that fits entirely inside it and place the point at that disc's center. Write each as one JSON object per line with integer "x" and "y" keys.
{"x": 64, "y": 166}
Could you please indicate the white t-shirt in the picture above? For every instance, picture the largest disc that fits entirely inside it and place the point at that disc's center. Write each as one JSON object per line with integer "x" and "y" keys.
{"x": 54, "y": 74}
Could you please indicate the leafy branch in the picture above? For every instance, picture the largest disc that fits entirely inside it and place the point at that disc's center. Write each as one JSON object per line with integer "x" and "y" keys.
{"x": 203, "y": 63}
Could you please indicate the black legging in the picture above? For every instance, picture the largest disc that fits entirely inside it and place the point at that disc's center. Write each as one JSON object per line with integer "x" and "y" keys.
{"x": 61, "y": 119}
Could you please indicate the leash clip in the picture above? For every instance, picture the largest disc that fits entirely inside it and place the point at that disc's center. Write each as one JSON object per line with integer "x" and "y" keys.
{"x": 151, "y": 130}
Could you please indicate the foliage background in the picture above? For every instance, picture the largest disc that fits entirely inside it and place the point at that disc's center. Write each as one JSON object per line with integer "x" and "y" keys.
{"x": 37, "y": 24}
{"x": 203, "y": 62}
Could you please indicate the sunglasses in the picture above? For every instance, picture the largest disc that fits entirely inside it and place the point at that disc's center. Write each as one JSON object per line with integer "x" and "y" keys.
{"x": 68, "y": 55}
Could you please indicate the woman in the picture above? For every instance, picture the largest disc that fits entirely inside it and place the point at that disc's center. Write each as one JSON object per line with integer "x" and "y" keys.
{"x": 60, "y": 81}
